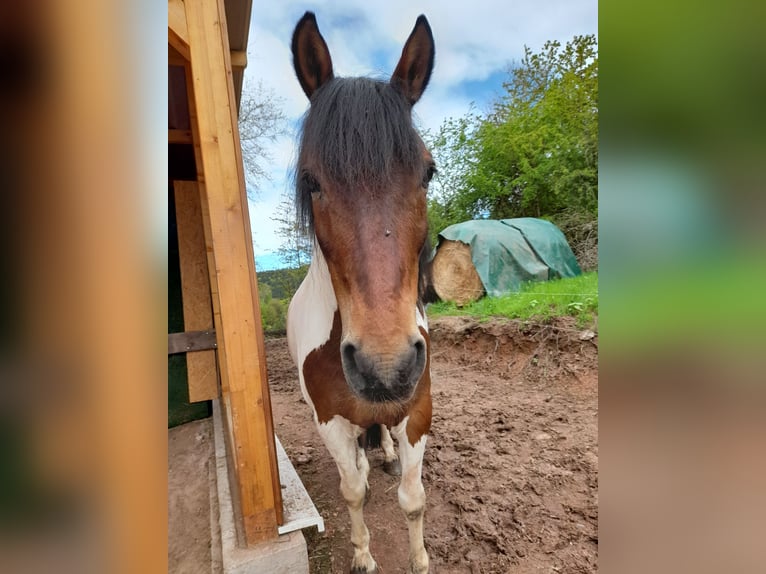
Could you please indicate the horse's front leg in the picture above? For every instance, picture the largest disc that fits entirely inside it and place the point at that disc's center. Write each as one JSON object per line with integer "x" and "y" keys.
{"x": 412, "y": 496}
{"x": 340, "y": 439}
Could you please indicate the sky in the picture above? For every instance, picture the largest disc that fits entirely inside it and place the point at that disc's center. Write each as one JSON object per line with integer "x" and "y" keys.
{"x": 476, "y": 42}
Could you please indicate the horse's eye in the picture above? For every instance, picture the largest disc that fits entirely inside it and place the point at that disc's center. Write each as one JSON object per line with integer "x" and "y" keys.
{"x": 430, "y": 171}
{"x": 310, "y": 184}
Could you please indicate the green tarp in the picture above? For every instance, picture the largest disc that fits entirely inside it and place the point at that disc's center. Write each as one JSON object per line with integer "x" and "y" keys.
{"x": 509, "y": 252}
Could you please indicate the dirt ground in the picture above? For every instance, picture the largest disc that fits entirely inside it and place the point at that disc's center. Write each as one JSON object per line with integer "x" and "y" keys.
{"x": 190, "y": 452}
{"x": 511, "y": 466}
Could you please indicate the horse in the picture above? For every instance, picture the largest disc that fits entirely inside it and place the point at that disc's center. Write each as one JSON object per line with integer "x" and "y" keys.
{"x": 356, "y": 326}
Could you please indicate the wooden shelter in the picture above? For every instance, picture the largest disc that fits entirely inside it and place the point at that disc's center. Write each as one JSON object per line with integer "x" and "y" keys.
{"x": 223, "y": 338}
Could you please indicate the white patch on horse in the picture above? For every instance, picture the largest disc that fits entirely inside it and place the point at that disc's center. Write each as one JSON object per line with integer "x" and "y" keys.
{"x": 340, "y": 438}
{"x": 310, "y": 315}
{"x": 420, "y": 317}
{"x": 412, "y": 495}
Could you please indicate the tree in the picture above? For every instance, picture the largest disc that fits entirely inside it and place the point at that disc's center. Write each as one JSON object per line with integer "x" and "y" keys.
{"x": 261, "y": 120}
{"x": 295, "y": 250}
{"x": 453, "y": 154}
{"x": 536, "y": 152}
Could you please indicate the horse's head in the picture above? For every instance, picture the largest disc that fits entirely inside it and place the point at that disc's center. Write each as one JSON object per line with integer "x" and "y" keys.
{"x": 362, "y": 176}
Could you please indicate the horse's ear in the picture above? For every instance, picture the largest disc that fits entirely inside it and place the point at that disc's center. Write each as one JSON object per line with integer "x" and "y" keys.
{"x": 414, "y": 68}
{"x": 311, "y": 58}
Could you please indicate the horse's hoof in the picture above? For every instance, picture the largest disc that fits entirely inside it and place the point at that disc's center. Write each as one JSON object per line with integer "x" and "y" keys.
{"x": 418, "y": 569}
{"x": 362, "y": 570}
{"x": 418, "y": 566}
{"x": 393, "y": 467}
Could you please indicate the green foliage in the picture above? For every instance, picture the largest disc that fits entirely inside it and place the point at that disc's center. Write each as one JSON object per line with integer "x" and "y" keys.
{"x": 713, "y": 304}
{"x": 273, "y": 311}
{"x": 535, "y": 154}
{"x": 275, "y": 290}
{"x": 283, "y": 283}
{"x": 573, "y": 296}
{"x": 452, "y": 148}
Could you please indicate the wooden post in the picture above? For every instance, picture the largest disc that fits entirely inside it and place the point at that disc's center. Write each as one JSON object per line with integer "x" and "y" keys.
{"x": 237, "y": 317}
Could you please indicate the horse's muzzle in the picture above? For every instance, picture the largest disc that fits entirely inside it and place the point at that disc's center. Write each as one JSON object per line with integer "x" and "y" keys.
{"x": 379, "y": 379}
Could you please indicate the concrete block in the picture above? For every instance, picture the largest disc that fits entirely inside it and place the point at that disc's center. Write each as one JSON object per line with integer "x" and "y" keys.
{"x": 287, "y": 554}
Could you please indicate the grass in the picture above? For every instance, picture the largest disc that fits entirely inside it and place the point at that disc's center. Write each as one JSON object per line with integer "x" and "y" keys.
{"x": 576, "y": 297}
{"x": 716, "y": 304}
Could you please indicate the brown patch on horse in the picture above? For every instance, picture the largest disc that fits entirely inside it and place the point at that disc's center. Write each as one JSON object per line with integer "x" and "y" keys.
{"x": 419, "y": 422}
{"x": 373, "y": 260}
{"x": 331, "y": 395}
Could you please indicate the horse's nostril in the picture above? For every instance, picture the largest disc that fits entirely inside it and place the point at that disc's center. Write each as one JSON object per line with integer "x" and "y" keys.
{"x": 349, "y": 354}
{"x": 418, "y": 360}
{"x": 349, "y": 350}
{"x": 380, "y": 378}
{"x": 359, "y": 370}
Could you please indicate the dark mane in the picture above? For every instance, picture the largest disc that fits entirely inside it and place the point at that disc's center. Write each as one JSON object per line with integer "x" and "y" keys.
{"x": 359, "y": 132}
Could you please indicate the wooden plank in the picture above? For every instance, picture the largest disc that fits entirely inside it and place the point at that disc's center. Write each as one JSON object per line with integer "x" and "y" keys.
{"x": 191, "y": 341}
{"x": 178, "y": 33}
{"x": 201, "y": 368}
{"x": 180, "y": 137}
{"x": 238, "y": 323}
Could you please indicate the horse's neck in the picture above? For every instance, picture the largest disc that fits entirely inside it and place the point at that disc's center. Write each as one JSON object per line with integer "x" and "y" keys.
{"x": 312, "y": 309}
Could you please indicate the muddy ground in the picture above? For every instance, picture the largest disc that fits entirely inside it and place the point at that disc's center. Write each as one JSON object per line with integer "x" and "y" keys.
{"x": 511, "y": 467}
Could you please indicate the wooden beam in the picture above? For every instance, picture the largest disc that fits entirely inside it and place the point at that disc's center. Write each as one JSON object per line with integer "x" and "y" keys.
{"x": 175, "y": 58}
{"x": 178, "y": 33}
{"x": 238, "y": 322}
{"x": 202, "y": 372}
{"x": 191, "y": 341}
{"x": 180, "y": 137}
{"x": 211, "y": 266}
{"x": 238, "y": 58}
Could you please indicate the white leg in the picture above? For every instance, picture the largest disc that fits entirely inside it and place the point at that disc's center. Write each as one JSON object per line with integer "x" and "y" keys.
{"x": 412, "y": 496}
{"x": 391, "y": 464}
{"x": 340, "y": 438}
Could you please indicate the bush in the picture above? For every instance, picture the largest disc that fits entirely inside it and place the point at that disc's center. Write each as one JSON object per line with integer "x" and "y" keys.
{"x": 581, "y": 231}
{"x": 273, "y": 311}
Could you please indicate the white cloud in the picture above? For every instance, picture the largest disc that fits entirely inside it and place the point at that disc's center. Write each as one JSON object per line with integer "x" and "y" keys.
{"x": 473, "y": 40}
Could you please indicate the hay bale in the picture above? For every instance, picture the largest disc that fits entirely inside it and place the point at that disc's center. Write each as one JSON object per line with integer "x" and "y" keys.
{"x": 454, "y": 276}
